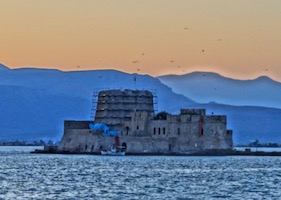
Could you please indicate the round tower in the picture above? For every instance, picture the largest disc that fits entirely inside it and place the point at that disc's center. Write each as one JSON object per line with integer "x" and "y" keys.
{"x": 114, "y": 107}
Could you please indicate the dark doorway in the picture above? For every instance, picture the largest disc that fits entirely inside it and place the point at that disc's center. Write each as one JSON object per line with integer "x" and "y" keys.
{"x": 124, "y": 146}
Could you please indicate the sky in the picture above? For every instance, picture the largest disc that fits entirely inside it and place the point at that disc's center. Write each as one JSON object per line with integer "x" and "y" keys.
{"x": 236, "y": 38}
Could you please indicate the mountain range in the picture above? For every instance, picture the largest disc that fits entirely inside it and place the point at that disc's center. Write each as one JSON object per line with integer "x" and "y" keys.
{"x": 206, "y": 87}
{"x": 35, "y": 102}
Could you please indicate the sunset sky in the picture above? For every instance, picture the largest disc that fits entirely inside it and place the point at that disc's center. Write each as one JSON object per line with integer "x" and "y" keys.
{"x": 236, "y": 38}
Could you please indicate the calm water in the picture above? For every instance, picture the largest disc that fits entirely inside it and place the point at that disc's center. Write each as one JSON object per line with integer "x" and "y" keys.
{"x": 37, "y": 176}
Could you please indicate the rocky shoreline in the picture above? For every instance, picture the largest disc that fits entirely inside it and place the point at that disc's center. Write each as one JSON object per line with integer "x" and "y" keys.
{"x": 53, "y": 150}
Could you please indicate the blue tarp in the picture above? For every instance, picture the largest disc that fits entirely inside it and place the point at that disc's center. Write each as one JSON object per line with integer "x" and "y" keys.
{"x": 103, "y": 127}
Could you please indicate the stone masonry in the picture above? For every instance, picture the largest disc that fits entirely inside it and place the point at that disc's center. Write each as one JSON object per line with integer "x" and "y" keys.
{"x": 131, "y": 113}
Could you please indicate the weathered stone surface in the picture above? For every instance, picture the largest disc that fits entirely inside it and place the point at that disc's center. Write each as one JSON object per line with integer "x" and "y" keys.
{"x": 131, "y": 113}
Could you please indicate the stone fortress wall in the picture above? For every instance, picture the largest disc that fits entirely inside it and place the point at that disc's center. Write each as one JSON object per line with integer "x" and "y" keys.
{"x": 131, "y": 113}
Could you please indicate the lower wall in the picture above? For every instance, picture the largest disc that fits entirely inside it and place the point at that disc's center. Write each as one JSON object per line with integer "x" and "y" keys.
{"x": 85, "y": 140}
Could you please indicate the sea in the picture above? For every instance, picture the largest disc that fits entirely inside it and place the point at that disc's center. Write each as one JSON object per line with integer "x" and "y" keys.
{"x": 53, "y": 176}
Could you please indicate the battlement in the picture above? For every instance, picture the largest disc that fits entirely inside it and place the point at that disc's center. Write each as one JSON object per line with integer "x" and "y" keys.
{"x": 73, "y": 124}
{"x": 201, "y": 112}
{"x": 130, "y": 113}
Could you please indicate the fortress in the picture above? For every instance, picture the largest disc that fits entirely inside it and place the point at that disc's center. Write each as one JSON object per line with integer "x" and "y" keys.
{"x": 130, "y": 117}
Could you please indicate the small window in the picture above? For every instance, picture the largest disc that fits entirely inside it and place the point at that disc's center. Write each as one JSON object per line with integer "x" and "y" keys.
{"x": 200, "y": 131}
{"x": 137, "y": 127}
{"x": 86, "y": 147}
{"x": 179, "y": 131}
{"x": 164, "y": 131}
{"x": 154, "y": 131}
{"x": 159, "y": 130}
{"x": 127, "y": 130}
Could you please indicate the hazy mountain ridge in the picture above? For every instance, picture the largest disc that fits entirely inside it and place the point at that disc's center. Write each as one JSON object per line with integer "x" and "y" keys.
{"x": 3, "y": 67}
{"x": 206, "y": 87}
{"x": 34, "y": 103}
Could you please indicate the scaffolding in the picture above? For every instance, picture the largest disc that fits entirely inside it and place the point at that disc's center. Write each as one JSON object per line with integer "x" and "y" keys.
{"x": 95, "y": 101}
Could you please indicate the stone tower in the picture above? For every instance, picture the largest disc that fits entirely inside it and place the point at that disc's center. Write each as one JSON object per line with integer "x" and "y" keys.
{"x": 114, "y": 107}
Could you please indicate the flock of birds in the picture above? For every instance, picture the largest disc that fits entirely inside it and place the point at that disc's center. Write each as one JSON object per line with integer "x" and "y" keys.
{"x": 172, "y": 61}
{"x": 137, "y": 62}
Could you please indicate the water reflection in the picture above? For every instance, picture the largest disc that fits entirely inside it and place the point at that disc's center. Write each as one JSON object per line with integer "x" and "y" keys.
{"x": 40, "y": 176}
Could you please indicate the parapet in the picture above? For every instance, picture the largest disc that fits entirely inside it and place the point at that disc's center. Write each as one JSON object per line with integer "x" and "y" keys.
{"x": 125, "y": 93}
{"x": 215, "y": 119}
{"x": 201, "y": 112}
{"x": 72, "y": 124}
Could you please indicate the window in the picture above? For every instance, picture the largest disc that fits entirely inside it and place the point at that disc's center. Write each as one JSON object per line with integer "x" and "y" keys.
{"x": 127, "y": 130}
{"x": 202, "y": 131}
{"x": 159, "y": 130}
{"x": 137, "y": 127}
{"x": 179, "y": 131}
{"x": 154, "y": 131}
{"x": 164, "y": 131}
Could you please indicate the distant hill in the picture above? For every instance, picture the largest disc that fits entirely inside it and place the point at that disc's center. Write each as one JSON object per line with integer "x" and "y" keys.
{"x": 207, "y": 87}
{"x": 3, "y": 67}
{"x": 35, "y": 102}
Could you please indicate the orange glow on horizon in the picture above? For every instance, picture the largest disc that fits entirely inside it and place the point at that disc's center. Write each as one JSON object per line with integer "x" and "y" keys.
{"x": 236, "y": 38}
